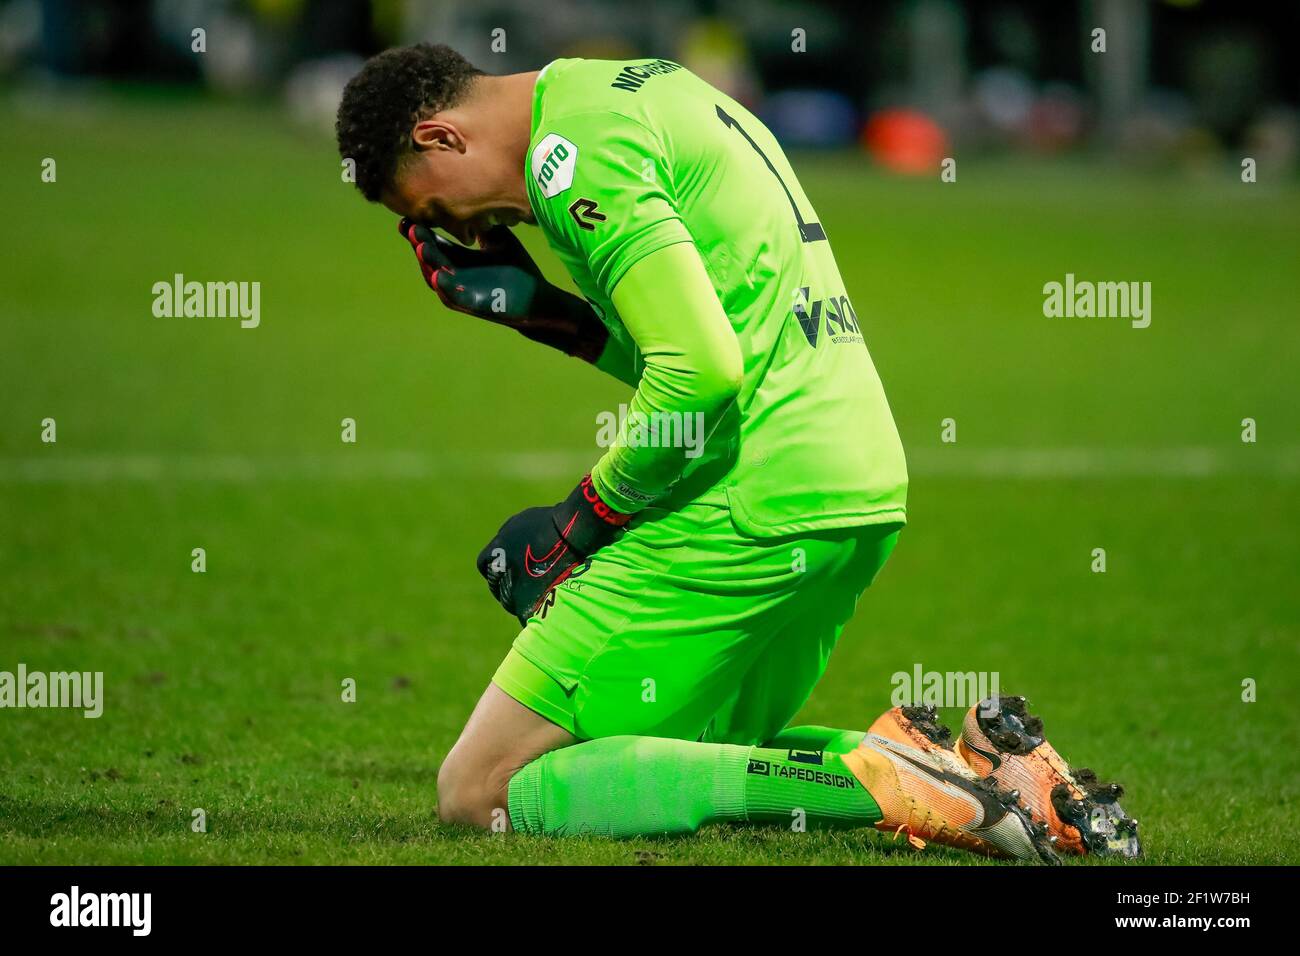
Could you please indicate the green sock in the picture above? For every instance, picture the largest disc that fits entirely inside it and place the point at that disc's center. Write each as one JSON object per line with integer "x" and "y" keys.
{"x": 640, "y": 786}
{"x": 813, "y": 737}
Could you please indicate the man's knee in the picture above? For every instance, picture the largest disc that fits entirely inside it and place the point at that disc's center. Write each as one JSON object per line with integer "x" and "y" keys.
{"x": 501, "y": 736}
{"x": 474, "y": 794}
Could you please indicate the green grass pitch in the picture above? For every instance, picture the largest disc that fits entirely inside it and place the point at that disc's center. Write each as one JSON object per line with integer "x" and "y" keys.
{"x": 327, "y": 561}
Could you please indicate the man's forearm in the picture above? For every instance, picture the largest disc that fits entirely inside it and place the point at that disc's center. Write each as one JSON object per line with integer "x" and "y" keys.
{"x": 692, "y": 373}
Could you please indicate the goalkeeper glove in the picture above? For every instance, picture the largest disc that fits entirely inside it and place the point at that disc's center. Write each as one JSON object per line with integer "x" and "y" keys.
{"x": 540, "y": 547}
{"x": 501, "y": 283}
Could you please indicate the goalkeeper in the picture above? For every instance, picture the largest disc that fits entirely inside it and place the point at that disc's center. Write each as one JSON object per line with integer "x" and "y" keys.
{"x": 677, "y": 607}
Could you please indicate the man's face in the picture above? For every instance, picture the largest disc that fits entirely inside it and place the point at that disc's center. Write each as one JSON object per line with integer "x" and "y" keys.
{"x": 457, "y": 184}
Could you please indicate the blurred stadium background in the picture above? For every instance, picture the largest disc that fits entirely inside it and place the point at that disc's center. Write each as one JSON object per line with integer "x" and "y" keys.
{"x": 329, "y": 560}
{"x": 1180, "y": 81}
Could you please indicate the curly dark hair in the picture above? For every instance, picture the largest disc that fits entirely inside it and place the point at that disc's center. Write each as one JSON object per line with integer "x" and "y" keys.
{"x": 393, "y": 91}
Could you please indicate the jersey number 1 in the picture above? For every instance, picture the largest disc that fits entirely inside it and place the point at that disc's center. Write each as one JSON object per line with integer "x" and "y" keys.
{"x": 808, "y": 231}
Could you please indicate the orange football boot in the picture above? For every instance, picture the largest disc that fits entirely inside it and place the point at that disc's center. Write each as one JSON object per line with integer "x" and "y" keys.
{"x": 919, "y": 727}
{"x": 932, "y": 799}
{"x": 999, "y": 737}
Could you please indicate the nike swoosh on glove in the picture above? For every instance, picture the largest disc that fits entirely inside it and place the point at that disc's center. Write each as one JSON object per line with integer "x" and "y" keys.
{"x": 540, "y": 547}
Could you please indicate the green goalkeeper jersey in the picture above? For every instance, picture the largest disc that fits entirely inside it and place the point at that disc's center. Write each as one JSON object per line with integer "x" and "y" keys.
{"x": 628, "y": 158}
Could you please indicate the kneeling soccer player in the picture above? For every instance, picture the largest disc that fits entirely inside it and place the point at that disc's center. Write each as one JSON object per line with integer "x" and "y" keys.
{"x": 680, "y": 604}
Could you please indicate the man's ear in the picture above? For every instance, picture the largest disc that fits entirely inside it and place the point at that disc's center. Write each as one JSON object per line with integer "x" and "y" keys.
{"x": 436, "y": 134}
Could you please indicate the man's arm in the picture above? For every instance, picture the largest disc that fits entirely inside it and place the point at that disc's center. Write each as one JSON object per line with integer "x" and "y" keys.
{"x": 500, "y": 282}
{"x": 641, "y": 255}
{"x": 692, "y": 364}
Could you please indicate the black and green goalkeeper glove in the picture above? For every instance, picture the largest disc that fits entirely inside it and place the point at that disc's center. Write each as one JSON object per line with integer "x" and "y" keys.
{"x": 541, "y": 547}
{"x": 499, "y": 282}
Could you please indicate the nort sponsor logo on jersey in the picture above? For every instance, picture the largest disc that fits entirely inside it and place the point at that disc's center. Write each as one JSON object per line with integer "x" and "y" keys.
{"x": 841, "y": 319}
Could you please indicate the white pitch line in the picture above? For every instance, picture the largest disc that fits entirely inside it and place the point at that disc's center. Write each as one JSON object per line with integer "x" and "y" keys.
{"x": 1056, "y": 463}
{"x": 346, "y": 465}
{"x": 357, "y": 465}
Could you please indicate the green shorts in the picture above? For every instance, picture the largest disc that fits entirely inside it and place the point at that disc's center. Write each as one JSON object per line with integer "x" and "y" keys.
{"x": 686, "y": 628}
